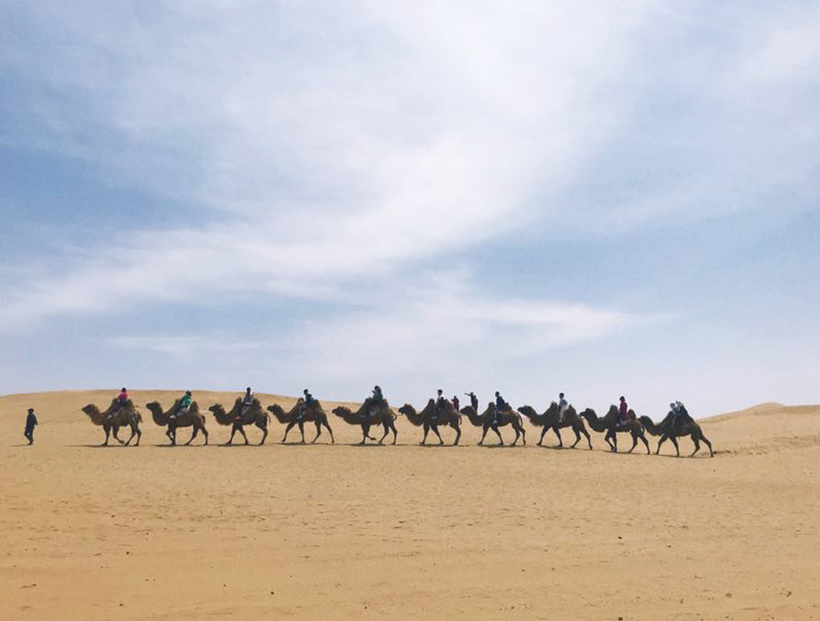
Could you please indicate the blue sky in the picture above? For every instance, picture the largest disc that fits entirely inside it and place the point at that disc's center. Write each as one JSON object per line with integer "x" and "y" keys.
{"x": 599, "y": 198}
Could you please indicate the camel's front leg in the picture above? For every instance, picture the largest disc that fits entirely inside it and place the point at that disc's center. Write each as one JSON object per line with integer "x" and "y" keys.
{"x": 577, "y": 437}
{"x": 302, "y": 430}
{"x": 107, "y": 430}
{"x": 426, "y": 431}
{"x": 244, "y": 435}
{"x": 318, "y": 432}
{"x": 264, "y": 428}
{"x": 697, "y": 446}
{"x": 558, "y": 433}
{"x": 483, "y": 435}
{"x": 330, "y": 431}
{"x": 543, "y": 433}
{"x": 646, "y": 444}
{"x": 290, "y": 426}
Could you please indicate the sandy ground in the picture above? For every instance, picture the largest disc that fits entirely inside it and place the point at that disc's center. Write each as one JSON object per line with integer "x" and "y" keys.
{"x": 406, "y": 532}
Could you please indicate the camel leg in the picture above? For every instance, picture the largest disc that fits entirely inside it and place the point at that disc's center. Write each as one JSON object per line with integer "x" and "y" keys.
{"x": 435, "y": 431}
{"x": 586, "y": 433}
{"x": 172, "y": 435}
{"x": 364, "y": 434}
{"x": 500, "y": 439}
{"x": 139, "y": 437}
{"x": 424, "y": 438}
{"x": 483, "y": 435}
{"x": 244, "y": 435}
{"x": 302, "y": 430}
{"x": 457, "y": 427}
{"x": 675, "y": 442}
{"x": 318, "y": 432}
{"x": 697, "y": 445}
{"x": 131, "y": 437}
{"x": 115, "y": 430}
{"x": 709, "y": 444}
{"x": 543, "y": 433}
{"x": 646, "y": 443}
{"x": 233, "y": 433}
{"x": 332, "y": 439}
{"x": 577, "y": 437}
{"x": 558, "y": 433}
{"x": 264, "y": 427}
{"x": 523, "y": 435}
{"x": 395, "y": 433}
{"x": 660, "y": 442}
{"x": 634, "y": 443}
{"x": 107, "y": 430}
{"x": 613, "y": 447}
{"x": 290, "y": 426}
{"x": 194, "y": 434}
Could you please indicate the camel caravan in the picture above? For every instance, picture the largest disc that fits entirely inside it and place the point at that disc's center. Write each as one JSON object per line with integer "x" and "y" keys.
{"x": 438, "y": 414}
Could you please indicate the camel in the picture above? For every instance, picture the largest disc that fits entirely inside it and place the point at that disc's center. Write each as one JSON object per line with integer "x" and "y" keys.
{"x": 383, "y": 416}
{"x": 314, "y": 414}
{"x": 255, "y": 415}
{"x": 425, "y": 419}
{"x": 609, "y": 423}
{"x": 193, "y": 418}
{"x": 549, "y": 420}
{"x": 485, "y": 420}
{"x": 126, "y": 416}
{"x": 666, "y": 429}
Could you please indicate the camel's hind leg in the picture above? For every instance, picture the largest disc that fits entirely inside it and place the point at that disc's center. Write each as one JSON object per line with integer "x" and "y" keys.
{"x": 395, "y": 433}
{"x": 139, "y": 436}
{"x": 577, "y": 437}
{"x": 204, "y": 433}
{"x": 194, "y": 434}
{"x": 634, "y": 443}
{"x": 457, "y": 427}
{"x": 646, "y": 443}
{"x": 523, "y": 434}
{"x": 264, "y": 427}
{"x": 697, "y": 445}
{"x": 133, "y": 433}
{"x": 709, "y": 444}
{"x": 330, "y": 431}
{"x": 586, "y": 433}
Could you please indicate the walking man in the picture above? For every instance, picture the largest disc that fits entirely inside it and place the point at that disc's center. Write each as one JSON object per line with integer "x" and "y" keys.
{"x": 31, "y": 423}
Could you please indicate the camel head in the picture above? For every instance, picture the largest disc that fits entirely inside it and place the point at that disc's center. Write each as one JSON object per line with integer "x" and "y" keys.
{"x": 528, "y": 411}
{"x": 406, "y": 410}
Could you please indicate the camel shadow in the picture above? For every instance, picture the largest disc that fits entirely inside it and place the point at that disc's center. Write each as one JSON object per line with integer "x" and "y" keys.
{"x": 19, "y": 445}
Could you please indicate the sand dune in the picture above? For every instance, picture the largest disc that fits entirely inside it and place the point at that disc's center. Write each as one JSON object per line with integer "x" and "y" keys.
{"x": 406, "y": 532}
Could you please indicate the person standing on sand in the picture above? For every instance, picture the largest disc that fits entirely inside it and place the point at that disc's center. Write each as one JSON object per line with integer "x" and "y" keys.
{"x": 473, "y": 400}
{"x": 31, "y": 423}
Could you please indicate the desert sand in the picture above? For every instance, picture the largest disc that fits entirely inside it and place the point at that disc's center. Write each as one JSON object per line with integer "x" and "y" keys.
{"x": 406, "y": 532}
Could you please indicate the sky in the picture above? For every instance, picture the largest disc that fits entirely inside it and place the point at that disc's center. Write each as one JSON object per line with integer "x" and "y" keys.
{"x": 599, "y": 198}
